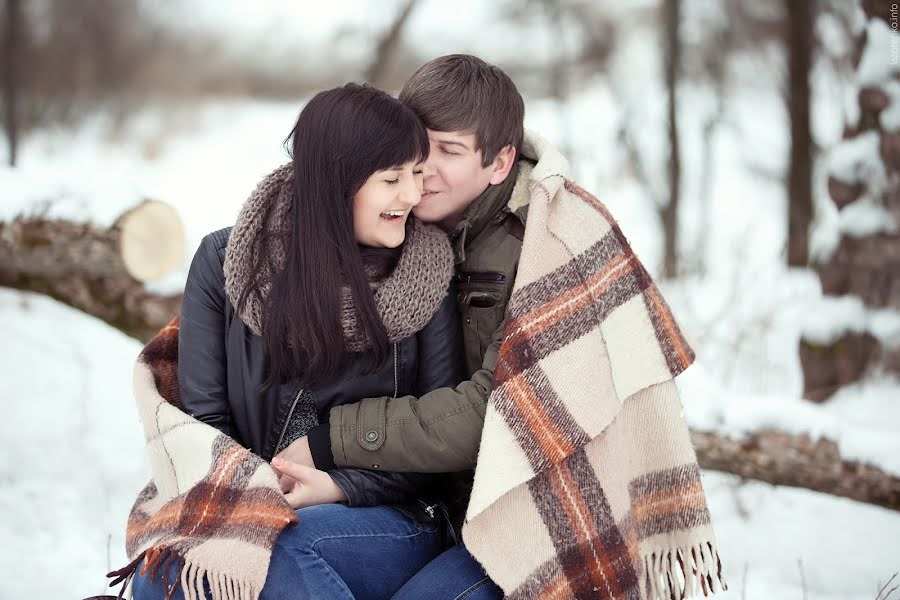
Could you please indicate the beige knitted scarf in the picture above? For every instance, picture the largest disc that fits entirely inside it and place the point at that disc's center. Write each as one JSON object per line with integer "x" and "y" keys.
{"x": 406, "y": 300}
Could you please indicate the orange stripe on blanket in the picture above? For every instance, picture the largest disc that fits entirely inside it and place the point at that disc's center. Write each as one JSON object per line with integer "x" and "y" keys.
{"x": 579, "y": 515}
{"x": 557, "y": 588}
{"x": 671, "y": 329}
{"x": 231, "y": 461}
{"x": 261, "y": 514}
{"x": 553, "y": 443}
{"x": 671, "y": 499}
{"x": 572, "y": 300}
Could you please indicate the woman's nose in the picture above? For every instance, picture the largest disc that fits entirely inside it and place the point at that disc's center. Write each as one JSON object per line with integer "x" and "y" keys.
{"x": 411, "y": 194}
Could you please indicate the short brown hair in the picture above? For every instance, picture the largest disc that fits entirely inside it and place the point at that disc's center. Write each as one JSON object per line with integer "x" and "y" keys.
{"x": 460, "y": 92}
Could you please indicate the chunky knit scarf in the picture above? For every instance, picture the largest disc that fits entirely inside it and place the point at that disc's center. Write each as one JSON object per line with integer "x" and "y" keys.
{"x": 213, "y": 508}
{"x": 406, "y": 300}
{"x": 587, "y": 484}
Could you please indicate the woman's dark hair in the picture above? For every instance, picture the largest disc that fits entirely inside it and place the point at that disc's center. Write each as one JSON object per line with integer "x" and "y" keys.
{"x": 341, "y": 137}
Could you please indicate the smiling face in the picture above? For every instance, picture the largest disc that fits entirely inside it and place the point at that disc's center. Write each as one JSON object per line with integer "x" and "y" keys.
{"x": 383, "y": 203}
{"x": 454, "y": 176}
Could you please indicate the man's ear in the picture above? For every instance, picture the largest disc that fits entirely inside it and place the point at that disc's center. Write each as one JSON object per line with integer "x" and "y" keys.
{"x": 502, "y": 164}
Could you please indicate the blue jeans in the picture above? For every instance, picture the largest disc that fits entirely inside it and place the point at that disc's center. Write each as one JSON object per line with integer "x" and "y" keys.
{"x": 454, "y": 575}
{"x": 337, "y": 553}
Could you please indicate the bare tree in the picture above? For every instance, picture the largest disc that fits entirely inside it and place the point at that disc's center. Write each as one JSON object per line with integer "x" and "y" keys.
{"x": 12, "y": 51}
{"x": 669, "y": 212}
{"x": 800, "y": 203}
{"x": 387, "y": 46}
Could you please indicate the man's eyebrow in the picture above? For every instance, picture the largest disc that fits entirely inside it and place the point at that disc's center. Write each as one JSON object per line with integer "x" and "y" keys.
{"x": 452, "y": 143}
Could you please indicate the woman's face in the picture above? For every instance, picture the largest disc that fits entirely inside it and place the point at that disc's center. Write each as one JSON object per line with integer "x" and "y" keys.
{"x": 383, "y": 203}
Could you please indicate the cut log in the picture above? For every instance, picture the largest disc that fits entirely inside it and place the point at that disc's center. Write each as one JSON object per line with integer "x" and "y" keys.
{"x": 145, "y": 243}
{"x": 782, "y": 458}
{"x": 101, "y": 271}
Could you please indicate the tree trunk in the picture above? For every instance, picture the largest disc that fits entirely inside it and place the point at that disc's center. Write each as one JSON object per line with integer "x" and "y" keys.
{"x": 670, "y": 212}
{"x": 864, "y": 264}
{"x": 377, "y": 71}
{"x": 100, "y": 271}
{"x": 782, "y": 458}
{"x": 800, "y": 204}
{"x": 12, "y": 49}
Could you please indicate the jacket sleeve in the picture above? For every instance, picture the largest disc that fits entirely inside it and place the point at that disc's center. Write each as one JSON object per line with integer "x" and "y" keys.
{"x": 440, "y": 363}
{"x": 201, "y": 338}
{"x": 438, "y": 432}
{"x": 372, "y": 488}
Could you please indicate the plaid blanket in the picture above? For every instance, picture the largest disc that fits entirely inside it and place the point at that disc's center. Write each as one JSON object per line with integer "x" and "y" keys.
{"x": 212, "y": 508}
{"x": 587, "y": 484}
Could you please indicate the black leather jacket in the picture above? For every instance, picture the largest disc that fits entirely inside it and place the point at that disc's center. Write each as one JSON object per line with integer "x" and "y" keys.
{"x": 220, "y": 372}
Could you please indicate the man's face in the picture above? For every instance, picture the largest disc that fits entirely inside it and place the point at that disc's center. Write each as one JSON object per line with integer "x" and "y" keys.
{"x": 454, "y": 177}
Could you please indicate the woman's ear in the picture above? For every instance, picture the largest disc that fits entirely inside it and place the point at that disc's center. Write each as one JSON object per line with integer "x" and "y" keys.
{"x": 502, "y": 164}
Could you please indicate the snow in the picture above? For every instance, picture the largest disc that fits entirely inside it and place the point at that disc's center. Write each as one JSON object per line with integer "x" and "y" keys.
{"x": 72, "y": 448}
{"x": 863, "y": 218}
{"x": 856, "y": 160}
{"x": 889, "y": 118}
{"x": 875, "y": 66}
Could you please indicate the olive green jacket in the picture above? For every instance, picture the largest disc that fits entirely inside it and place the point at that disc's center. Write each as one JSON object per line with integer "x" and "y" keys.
{"x": 441, "y": 431}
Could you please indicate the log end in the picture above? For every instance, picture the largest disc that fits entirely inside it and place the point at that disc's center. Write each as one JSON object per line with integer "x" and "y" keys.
{"x": 151, "y": 240}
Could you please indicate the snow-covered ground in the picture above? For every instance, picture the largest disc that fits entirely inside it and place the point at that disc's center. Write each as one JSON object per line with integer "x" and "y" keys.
{"x": 71, "y": 443}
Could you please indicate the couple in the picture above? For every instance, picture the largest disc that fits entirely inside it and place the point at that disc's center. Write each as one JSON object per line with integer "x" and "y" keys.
{"x": 348, "y": 330}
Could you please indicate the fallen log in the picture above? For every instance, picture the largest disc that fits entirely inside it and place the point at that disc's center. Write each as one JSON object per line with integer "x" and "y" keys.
{"x": 782, "y": 458}
{"x": 101, "y": 271}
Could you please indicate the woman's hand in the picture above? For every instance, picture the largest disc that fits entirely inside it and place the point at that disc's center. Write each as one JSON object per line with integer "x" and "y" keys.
{"x": 298, "y": 452}
{"x": 304, "y": 486}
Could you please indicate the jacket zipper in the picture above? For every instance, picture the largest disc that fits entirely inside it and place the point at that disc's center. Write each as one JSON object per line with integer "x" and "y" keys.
{"x": 396, "y": 373}
{"x": 288, "y": 419}
{"x": 468, "y": 277}
{"x": 428, "y": 509}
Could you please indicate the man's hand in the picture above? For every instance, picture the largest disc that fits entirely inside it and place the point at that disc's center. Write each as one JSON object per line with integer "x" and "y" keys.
{"x": 298, "y": 453}
{"x": 304, "y": 486}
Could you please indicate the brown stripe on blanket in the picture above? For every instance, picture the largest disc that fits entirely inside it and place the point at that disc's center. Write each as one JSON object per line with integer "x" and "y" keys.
{"x": 567, "y": 278}
{"x": 668, "y": 500}
{"x": 161, "y": 355}
{"x": 216, "y": 505}
{"x": 592, "y": 552}
{"x": 676, "y": 350}
{"x": 551, "y": 433}
{"x": 566, "y": 316}
{"x": 526, "y": 346}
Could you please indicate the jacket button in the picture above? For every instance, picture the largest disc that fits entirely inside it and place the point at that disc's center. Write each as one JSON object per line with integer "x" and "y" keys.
{"x": 376, "y": 465}
{"x": 371, "y": 436}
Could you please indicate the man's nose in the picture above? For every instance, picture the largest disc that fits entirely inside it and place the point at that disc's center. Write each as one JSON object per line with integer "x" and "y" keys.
{"x": 428, "y": 169}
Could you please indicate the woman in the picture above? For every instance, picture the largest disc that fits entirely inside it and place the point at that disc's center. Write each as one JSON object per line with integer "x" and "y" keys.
{"x": 325, "y": 292}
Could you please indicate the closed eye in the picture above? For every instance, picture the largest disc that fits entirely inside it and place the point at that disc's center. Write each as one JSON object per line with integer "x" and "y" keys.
{"x": 392, "y": 181}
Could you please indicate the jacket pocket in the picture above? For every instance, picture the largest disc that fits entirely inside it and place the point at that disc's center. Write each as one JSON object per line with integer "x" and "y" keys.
{"x": 482, "y": 305}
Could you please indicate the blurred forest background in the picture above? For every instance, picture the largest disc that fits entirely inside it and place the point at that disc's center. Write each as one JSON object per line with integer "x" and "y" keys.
{"x": 749, "y": 149}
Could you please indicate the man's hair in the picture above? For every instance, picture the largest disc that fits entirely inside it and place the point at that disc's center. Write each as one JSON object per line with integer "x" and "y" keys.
{"x": 460, "y": 92}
